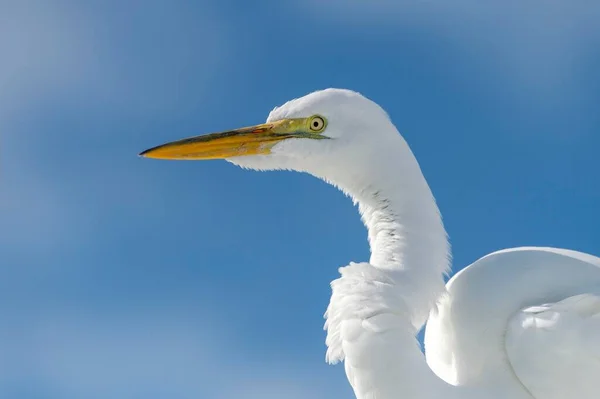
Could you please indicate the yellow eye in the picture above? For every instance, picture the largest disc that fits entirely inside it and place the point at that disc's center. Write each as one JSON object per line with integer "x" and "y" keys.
{"x": 317, "y": 124}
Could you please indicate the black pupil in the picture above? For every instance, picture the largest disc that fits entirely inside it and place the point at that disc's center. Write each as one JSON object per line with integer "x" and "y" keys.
{"x": 316, "y": 123}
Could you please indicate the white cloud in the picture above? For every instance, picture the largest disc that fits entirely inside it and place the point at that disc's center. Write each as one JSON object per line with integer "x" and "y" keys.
{"x": 162, "y": 353}
{"x": 539, "y": 44}
{"x": 77, "y": 51}
{"x": 61, "y": 60}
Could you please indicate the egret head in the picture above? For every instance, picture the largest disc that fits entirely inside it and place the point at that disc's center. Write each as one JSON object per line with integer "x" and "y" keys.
{"x": 327, "y": 127}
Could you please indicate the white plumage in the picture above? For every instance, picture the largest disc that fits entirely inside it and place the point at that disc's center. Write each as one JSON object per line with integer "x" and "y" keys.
{"x": 521, "y": 323}
{"x": 570, "y": 327}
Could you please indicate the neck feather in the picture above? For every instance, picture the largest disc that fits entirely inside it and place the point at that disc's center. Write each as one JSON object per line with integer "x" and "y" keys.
{"x": 405, "y": 229}
{"x": 376, "y": 309}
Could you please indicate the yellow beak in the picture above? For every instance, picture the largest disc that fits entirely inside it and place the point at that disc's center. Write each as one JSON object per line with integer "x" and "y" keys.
{"x": 253, "y": 140}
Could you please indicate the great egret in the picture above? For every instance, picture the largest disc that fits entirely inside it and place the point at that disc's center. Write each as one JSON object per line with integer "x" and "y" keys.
{"x": 518, "y": 323}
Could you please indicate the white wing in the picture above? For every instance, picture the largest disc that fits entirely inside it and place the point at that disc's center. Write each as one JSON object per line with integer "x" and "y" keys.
{"x": 524, "y": 319}
{"x": 554, "y": 349}
{"x": 528, "y": 314}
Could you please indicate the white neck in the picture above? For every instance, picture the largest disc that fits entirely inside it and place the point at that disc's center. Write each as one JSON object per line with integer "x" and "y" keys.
{"x": 405, "y": 229}
{"x": 402, "y": 283}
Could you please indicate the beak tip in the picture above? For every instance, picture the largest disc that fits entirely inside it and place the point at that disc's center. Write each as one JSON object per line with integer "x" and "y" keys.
{"x": 147, "y": 153}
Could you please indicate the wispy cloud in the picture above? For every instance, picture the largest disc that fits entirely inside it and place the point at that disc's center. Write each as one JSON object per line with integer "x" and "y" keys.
{"x": 61, "y": 51}
{"x": 65, "y": 70}
{"x": 126, "y": 354}
{"x": 537, "y": 44}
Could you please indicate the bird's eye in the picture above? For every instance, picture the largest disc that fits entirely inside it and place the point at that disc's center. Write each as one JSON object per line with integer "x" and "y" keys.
{"x": 317, "y": 124}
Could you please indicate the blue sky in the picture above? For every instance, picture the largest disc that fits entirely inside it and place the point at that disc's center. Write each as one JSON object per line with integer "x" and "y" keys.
{"x": 125, "y": 277}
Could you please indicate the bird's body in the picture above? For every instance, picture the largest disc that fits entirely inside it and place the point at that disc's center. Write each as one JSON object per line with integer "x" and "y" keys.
{"x": 519, "y": 323}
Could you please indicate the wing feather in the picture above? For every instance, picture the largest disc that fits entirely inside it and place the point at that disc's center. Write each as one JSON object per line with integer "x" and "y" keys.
{"x": 554, "y": 348}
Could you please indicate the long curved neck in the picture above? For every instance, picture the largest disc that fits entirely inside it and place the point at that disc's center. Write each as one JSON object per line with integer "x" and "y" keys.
{"x": 376, "y": 309}
{"x": 405, "y": 229}
{"x": 407, "y": 238}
